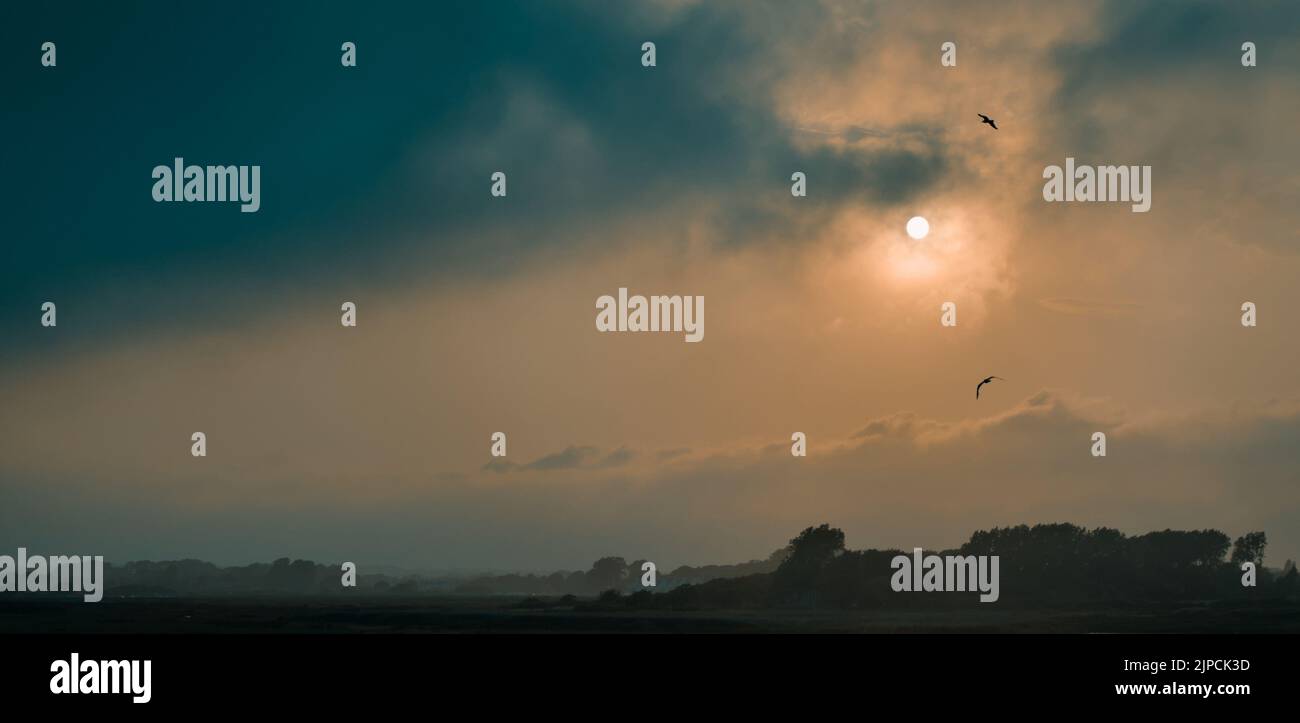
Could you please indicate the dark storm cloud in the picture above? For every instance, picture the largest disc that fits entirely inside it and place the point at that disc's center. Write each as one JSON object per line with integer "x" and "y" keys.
{"x": 364, "y": 169}
{"x": 1156, "y": 35}
{"x": 1141, "y": 45}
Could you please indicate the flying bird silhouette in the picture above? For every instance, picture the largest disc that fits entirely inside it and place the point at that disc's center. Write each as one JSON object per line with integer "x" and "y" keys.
{"x": 988, "y": 120}
{"x": 986, "y": 381}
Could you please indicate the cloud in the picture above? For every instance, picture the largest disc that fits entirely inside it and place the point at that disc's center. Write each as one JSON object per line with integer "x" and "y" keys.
{"x": 848, "y": 134}
{"x": 401, "y": 159}
{"x": 570, "y": 458}
{"x": 618, "y": 458}
{"x": 1161, "y": 83}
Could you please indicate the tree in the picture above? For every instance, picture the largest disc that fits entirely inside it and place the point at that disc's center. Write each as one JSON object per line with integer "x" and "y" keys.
{"x": 815, "y": 546}
{"x": 1249, "y": 548}
{"x": 607, "y": 573}
{"x": 809, "y": 554}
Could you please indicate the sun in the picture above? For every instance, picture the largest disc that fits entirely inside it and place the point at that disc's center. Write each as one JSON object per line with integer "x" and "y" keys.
{"x": 917, "y": 227}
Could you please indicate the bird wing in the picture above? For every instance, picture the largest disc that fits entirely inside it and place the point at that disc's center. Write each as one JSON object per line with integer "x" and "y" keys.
{"x": 982, "y": 116}
{"x": 977, "y": 389}
{"x": 995, "y": 125}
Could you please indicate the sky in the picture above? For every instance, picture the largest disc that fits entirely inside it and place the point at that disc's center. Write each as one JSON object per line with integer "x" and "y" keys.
{"x": 476, "y": 314}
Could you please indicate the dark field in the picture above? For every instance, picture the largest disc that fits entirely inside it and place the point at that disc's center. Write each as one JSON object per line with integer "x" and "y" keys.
{"x": 505, "y": 615}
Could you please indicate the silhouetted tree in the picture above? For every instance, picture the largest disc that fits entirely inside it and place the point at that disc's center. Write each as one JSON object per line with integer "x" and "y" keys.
{"x": 607, "y": 573}
{"x": 1249, "y": 548}
{"x": 814, "y": 547}
{"x": 810, "y": 552}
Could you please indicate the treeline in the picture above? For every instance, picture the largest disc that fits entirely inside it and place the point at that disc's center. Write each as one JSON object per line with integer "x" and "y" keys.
{"x": 1052, "y": 564}
{"x": 304, "y": 577}
{"x": 282, "y": 577}
{"x": 614, "y": 573}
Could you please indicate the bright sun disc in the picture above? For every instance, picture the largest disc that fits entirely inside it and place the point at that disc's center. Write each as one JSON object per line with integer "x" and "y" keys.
{"x": 917, "y": 227}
